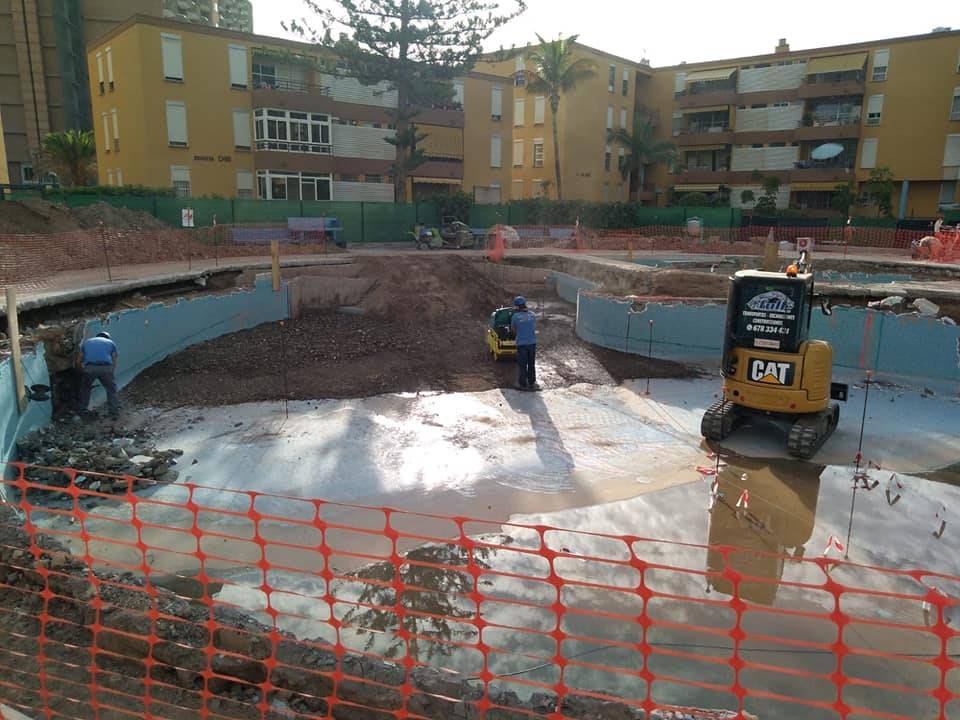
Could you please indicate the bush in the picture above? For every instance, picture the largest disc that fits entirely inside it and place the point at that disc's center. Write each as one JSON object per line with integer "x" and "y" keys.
{"x": 136, "y": 190}
{"x": 694, "y": 199}
{"x": 458, "y": 205}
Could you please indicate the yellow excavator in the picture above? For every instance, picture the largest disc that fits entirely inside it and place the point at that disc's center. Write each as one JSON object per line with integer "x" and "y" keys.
{"x": 770, "y": 366}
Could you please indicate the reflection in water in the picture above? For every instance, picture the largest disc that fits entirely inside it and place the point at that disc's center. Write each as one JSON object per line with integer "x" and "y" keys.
{"x": 778, "y": 522}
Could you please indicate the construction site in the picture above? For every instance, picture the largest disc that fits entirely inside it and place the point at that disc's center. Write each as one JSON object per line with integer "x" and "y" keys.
{"x": 324, "y": 494}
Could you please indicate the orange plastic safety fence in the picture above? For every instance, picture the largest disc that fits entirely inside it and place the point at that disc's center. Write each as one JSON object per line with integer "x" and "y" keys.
{"x": 120, "y": 599}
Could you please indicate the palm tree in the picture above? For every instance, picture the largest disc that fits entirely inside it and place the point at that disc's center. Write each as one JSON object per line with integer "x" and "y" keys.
{"x": 74, "y": 150}
{"x": 643, "y": 149}
{"x": 557, "y": 72}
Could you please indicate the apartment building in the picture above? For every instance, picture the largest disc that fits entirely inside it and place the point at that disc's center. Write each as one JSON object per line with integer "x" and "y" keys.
{"x": 44, "y": 86}
{"x": 212, "y": 111}
{"x": 815, "y": 119}
{"x": 589, "y": 162}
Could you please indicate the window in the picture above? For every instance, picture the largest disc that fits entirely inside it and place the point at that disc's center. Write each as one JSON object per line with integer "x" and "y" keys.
{"x": 26, "y": 174}
{"x": 109, "y": 177}
{"x": 106, "y": 132}
{"x": 782, "y": 103}
{"x": 874, "y": 109}
{"x": 180, "y": 179}
{"x": 623, "y": 117}
{"x": 948, "y": 192}
{"x": 237, "y": 57}
{"x": 496, "y": 103}
{"x": 348, "y": 177}
{"x": 373, "y": 178}
{"x": 108, "y": 54}
{"x": 517, "y": 193}
{"x": 626, "y": 82}
{"x": 291, "y": 131}
{"x": 868, "y": 155}
{"x": 176, "y": 124}
{"x": 519, "y": 72}
{"x": 171, "y": 47}
{"x": 100, "y": 83}
{"x": 955, "y": 105}
{"x": 609, "y": 117}
{"x": 519, "y": 106}
{"x": 458, "y": 93}
{"x": 951, "y": 151}
{"x": 496, "y": 143}
{"x": 518, "y": 64}
{"x": 881, "y": 60}
{"x": 612, "y": 79}
{"x": 264, "y": 76}
{"x": 119, "y": 176}
{"x": 538, "y": 152}
{"x": 116, "y": 130}
{"x": 518, "y": 153}
{"x": 244, "y": 184}
{"x": 241, "y": 129}
{"x": 280, "y": 185}
{"x": 539, "y": 107}
{"x": 621, "y": 159}
{"x": 607, "y": 158}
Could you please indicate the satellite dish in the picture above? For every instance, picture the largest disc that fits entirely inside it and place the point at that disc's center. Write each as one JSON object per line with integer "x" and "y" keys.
{"x": 826, "y": 151}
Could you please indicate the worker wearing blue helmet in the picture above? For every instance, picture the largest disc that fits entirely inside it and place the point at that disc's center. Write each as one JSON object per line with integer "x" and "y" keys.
{"x": 524, "y": 324}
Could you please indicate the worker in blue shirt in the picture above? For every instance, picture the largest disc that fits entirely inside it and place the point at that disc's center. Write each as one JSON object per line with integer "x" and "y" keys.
{"x": 98, "y": 360}
{"x": 524, "y": 324}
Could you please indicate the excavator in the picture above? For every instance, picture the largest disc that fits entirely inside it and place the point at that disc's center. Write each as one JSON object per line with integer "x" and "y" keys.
{"x": 770, "y": 366}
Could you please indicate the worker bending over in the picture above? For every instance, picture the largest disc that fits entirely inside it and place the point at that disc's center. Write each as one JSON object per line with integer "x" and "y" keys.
{"x": 98, "y": 360}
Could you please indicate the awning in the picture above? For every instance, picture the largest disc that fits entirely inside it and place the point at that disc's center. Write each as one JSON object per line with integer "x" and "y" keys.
{"x": 711, "y": 108}
{"x": 836, "y": 64}
{"x": 709, "y": 75}
{"x": 814, "y": 186}
{"x": 696, "y": 188}
{"x": 438, "y": 181}
{"x": 698, "y": 148}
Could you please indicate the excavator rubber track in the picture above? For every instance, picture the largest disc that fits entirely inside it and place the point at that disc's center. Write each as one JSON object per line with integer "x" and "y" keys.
{"x": 719, "y": 420}
{"x": 810, "y": 432}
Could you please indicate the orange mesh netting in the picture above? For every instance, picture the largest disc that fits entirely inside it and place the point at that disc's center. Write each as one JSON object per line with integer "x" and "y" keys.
{"x": 120, "y": 599}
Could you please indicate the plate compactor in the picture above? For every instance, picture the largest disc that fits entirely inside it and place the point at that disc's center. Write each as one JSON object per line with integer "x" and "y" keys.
{"x": 770, "y": 367}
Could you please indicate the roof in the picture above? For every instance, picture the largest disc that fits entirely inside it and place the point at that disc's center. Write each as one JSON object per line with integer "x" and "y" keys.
{"x": 830, "y": 49}
{"x": 507, "y": 54}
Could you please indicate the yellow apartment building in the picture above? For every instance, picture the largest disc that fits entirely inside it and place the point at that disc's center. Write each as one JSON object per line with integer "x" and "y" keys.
{"x": 589, "y": 163}
{"x": 815, "y": 119}
{"x": 217, "y": 112}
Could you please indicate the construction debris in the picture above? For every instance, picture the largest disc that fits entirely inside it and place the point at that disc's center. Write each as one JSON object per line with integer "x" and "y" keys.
{"x": 894, "y": 302}
{"x": 95, "y": 447}
{"x": 925, "y": 307}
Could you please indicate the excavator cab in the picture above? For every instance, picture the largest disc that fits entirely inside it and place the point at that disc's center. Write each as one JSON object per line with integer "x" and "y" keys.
{"x": 770, "y": 366}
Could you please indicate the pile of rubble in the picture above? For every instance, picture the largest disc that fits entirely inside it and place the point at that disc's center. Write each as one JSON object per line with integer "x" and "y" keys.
{"x": 921, "y": 306}
{"x": 96, "y": 448}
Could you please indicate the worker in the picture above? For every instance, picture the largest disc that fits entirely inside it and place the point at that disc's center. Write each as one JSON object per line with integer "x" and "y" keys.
{"x": 524, "y": 324}
{"x": 98, "y": 360}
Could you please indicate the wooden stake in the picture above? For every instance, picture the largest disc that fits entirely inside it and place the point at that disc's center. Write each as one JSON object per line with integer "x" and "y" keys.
{"x": 13, "y": 332}
{"x": 275, "y": 263}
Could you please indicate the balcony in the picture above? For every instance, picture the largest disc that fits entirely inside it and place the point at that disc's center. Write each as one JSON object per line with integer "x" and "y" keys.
{"x": 836, "y": 84}
{"x": 695, "y": 175}
{"x": 835, "y": 130}
{"x": 838, "y": 174}
{"x": 725, "y": 95}
{"x": 698, "y": 134}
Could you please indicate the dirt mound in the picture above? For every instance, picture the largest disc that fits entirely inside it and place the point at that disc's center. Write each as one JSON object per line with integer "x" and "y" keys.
{"x": 39, "y": 217}
{"x": 429, "y": 288}
{"x": 115, "y": 217}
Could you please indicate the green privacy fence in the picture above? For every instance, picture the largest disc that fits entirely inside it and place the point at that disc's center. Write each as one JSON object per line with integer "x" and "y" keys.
{"x": 366, "y": 222}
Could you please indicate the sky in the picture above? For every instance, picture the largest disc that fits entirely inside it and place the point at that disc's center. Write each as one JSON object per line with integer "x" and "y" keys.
{"x": 669, "y": 32}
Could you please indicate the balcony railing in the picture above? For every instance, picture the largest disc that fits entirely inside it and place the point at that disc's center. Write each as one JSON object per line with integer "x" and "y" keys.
{"x": 269, "y": 82}
{"x": 707, "y": 88}
{"x": 835, "y": 120}
{"x": 698, "y": 128}
{"x": 294, "y": 146}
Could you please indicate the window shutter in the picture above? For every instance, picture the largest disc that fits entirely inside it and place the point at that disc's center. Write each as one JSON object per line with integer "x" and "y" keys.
{"x": 172, "y": 50}
{"x": 868, "y": 155}
{"x": 119, "y": 176}
{"x": 244, "y": 180}
{"x": 881, "y": 59}
{"x": 519, "y": 110}
{"x": 875, "y": 104}
{"x": 176, "y": 123}
{"x": 241, "y": 129}
{"x": 951, "y": 151}
{"x": 100, "y": 68}
{"x": 238, "y": 66}
{"x": 179, "y": 173}
{"x": 109, "y": 176}
{"x": 539, "y": 108}
{"x": 518, "y": 64}
{"x": 679, "y": 82}
{"x": 458, "y": 92}
{"x": 495, "y": 151}
{"x": 623, "y": 117}
{"x": 496, "y": 102}
{"x": 517, "y": 153}
{"x": 609, "y": 117}
{"x": 106, "y": 133}
{"x": 109, "y": 55}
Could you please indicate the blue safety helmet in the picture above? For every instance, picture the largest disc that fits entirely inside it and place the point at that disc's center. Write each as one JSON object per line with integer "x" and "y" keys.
{"x": 520, "y": 301}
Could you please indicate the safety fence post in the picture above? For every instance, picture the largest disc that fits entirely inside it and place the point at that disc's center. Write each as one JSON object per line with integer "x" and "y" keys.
{"x": 363, "y": 222}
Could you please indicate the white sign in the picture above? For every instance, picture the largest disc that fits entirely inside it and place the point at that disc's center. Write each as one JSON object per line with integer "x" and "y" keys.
{"x": 804, "y": 243}
{"x": 186, "y": 217}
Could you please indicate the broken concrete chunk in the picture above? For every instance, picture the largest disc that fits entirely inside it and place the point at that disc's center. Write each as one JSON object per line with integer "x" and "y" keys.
{"x": 925, "y": 307}
{"x": 888, "y": 303}
{"x": 141, "y": 459}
